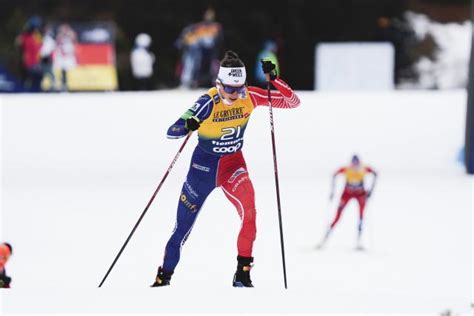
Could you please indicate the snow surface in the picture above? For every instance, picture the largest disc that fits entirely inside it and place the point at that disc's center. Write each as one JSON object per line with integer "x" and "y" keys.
{"x": 78, "y": 170}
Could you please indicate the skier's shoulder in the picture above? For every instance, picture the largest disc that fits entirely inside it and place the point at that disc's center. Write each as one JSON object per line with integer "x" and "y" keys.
{"x": 257, "y": 95}
{"x": 256, "y": 90}
{"x": 202, "y": 101}
{"x": 209, "y": 98}
{"x": 214, "y": 95}
{"x": 369, "y": 169}
{"x": 205, "y": 104}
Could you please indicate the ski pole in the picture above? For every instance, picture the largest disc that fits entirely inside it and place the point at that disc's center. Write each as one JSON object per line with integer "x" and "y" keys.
{"x": 277, "y": 185}
{"x": 367, "y": 200}
{"x": 147, "y": 206}
{"x": 328, "y": 230}
{"x": 368, "y": 225}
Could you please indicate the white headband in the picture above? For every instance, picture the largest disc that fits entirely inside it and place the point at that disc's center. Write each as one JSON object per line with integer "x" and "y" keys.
{"x": 232, "y": 75}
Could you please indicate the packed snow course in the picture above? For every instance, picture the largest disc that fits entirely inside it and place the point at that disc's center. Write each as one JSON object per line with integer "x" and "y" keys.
{"x": 78, "y": 170}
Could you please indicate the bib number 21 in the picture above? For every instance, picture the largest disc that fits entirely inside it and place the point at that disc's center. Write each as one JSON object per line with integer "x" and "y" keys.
{"x": 230, "y": 132}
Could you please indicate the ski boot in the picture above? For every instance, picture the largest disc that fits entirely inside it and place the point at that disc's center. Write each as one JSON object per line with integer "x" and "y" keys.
{"x": 162, "y": 278}
{"x": 242, "y": 275}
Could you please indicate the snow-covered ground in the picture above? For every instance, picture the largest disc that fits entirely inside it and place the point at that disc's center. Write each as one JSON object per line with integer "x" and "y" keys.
{"x": 78, "y": 169}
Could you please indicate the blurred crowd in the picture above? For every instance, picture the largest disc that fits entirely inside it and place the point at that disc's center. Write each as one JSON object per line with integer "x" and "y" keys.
{"x": 43, "y": 49}
{"x": 428, "y": 55}
{"x": 199, "y": 45}
{"x": 48, "y": 54}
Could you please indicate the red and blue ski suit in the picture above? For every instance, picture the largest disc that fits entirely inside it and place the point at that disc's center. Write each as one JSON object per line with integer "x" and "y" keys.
{"x": 218, "y": 161}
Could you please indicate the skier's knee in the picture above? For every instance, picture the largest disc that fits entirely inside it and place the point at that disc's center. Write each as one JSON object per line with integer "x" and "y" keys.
{"x": 244, "y": 192}
{"x": 250, "y": 215}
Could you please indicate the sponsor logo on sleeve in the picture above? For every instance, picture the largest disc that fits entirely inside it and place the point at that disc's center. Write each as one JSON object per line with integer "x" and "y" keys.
{"x": 195, "y": 107}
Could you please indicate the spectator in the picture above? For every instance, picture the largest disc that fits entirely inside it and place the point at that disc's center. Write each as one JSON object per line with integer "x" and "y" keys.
{"x": 142, "y": 61}
{"x": 65, "y": 53}
{"x": 268, "y": 52}
{"x": 5, "y": 253}
{"x": 30, "y": 42}
{"x": 46, "y": 54}
{"x": 200, "y": 48}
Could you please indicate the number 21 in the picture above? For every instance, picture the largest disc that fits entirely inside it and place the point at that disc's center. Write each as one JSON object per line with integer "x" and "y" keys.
{"x": 229, "y": 133}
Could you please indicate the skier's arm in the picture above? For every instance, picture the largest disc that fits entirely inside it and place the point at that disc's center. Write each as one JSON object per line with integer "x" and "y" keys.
{"x": 191, "y": 119}
{"x": 373, "y": 181}
{"x": 333, "y": 182}
{"x": 283, "y": 98}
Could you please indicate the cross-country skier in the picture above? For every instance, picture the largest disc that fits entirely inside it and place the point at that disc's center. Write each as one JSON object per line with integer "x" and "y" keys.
{"x": 220, "y": 116}
{"x": 354, "y": 189}
{"x": 5, "y": 253}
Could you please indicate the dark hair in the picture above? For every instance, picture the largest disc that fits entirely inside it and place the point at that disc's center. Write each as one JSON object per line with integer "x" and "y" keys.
{"x": 231, "y": 59}
{"x": 9, "y": 247}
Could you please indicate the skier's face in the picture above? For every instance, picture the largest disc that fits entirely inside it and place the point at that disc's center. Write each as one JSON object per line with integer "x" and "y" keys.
{"x": 230, "y": 93}
{"x": 355, "y": 163}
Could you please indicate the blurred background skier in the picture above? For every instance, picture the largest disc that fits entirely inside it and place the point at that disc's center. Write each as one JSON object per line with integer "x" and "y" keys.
{"x": 354, "y": 189}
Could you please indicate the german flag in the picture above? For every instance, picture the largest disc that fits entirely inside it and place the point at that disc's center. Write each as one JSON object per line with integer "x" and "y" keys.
{"x": 86, "y": 53}
{"x": 95, "y": 68}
